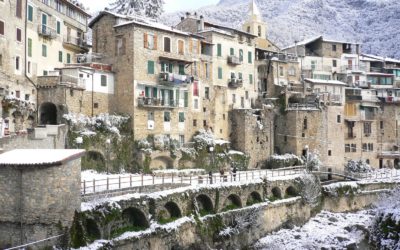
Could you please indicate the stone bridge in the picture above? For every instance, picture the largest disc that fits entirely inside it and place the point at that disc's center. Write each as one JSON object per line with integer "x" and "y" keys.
{"x": 135, "y": 211}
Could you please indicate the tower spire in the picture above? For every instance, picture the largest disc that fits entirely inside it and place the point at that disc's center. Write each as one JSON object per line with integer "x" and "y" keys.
{"x": 254, "y": 12}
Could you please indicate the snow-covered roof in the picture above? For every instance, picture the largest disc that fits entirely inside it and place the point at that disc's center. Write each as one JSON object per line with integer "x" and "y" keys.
{"x": 315, "y": 38}
{"x": 39, "y": 157}
{"x": 222, "y": 27}
{"x": 223, "y": 32}
{"x": 327, "y": 82}
{"x": 367, "y": 57}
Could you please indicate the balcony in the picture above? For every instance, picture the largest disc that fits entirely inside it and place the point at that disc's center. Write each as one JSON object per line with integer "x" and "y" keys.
{"x": 73, "y": 81}
{"x": 234, "y": 60}
{"x": 352, "y": 68}
{"x": 75, "y": 43}
{"x": 153, "y": 102}
{"x": 235, "y": 83}
{"x": 46, "y": 31}
{"x": 176, "y": 80}
{"x": 329, "y": 98}
{"x": 317, "y": 67}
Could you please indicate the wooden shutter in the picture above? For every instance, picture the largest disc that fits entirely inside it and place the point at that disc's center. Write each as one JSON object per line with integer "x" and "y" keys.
{"x": 155, "y": 42}
{"x": 145, "y": 39}
{"x": 19, "y": 9}
{"x": 191, "y": 45}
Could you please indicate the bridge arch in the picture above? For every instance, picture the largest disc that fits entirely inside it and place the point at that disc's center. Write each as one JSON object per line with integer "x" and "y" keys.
{"x": 135, "y": 217}
{"x": 254, "y": 197}
{"x": 291, "y": 192}
{"x": 276, "y": 193}
{"x": 173, "y": 210}
{"x": 204, "y": 204}
{"x": 232, "y": 201}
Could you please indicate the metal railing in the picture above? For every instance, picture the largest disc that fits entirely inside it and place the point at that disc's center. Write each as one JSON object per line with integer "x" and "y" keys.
{"x": 46, "y": 31}
{"x": 156, "y": 102}
{"x": 77, "y": 41}
{"x": 73, "y": 81}
{"x": 90, "y": 187}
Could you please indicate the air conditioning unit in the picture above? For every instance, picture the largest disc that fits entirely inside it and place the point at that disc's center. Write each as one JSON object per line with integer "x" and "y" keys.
{"x": 150, "y": 125}
{"x": 81, "y": 59}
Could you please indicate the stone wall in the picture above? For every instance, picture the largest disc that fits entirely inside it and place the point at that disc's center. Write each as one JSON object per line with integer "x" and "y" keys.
{"x": 40, "y": 201}
{"x": 252, "y": 133}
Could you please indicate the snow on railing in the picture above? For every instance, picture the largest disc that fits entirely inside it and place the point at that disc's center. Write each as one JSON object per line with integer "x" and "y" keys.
{"x": 89, "y": 187}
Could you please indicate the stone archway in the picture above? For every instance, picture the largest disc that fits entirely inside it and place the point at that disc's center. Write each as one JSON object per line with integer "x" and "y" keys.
{"x": 48, "y": 113}
{"x": 233, "y": 201}
{"x": 169, "y": 212}
{"x": 204, "y": 204}
{"x": 276, "y": 193}
{"x": 254, "y": 197}
{"x": 291, "y": 192}
{"x": 162, "y": 162}
{"x": 134, "y": 217}
{"x": 94, "y": 160}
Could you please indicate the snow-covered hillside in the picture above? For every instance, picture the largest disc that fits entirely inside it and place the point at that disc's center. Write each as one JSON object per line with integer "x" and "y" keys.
{"x": 372, "y": 22}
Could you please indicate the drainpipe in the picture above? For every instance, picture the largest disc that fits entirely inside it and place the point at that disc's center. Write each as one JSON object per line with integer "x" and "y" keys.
{"x": 26, "y": 61}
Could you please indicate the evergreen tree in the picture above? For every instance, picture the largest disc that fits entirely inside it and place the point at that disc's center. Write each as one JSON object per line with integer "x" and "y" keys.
{"x": 148, "y": 8}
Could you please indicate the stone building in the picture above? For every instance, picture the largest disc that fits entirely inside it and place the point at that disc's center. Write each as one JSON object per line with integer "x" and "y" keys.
{"x": 42, "y": 192}
{"x": 86, "y": 88}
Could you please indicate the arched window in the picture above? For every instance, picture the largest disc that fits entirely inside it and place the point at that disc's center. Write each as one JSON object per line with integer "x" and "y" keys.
{"x": 248, "y": 29}
{"x": 259, "y": 30}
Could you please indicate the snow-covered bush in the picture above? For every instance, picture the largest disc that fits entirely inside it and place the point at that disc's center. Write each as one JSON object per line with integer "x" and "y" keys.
{"x": 280, "y": 161}
{"x": 309, "y": 188}
{"x": 385, "y": 233}
{"x": 312, "y": 161}
{"x": 148, "y": 8}
{"x": 203, "y": 140}
{"x": 359, "y": 166}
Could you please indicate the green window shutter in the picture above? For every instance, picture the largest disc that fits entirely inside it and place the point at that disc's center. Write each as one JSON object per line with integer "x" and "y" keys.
{"x": 162, "y": 66}
{"x": 29, "y": 47}
{"x": 58, "y": 27}
{"x": 68, "y": 58}
{"x": 240, "y": 76}
{"x": 186, "y": 104}
{"x": 171, "y": 68}
{"x": 150, "y": 67}
{"x": 171, "y": 97}
{"x": 219, "y": 73}
{"x": 162, "y": 94}
{"x": 177, "y": 95}
{"x": 219, "y": 49}
{"x": 44, "y": 50}
{"x": 181, "y": 69}
{"x": 241, "y": 55}
{"x": 232, "y": 51}
{"x": 250, "y": 57}
{"x": 181, "y": 117}
{"x": 251, "y": 78}
{"x": 147, "y": 91}
{"x": 60, "y": 56}
{"x": 155, "y": 92}
{"x": 30, "y": 13}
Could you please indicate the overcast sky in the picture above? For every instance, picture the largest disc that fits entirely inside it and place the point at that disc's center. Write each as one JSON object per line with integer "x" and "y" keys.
{"x": 170, "y": 5}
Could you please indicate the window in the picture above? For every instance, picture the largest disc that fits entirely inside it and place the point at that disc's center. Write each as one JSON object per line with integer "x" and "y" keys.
{"x": 60, "y": 56}
{"x": 167, "y": 67}
{"x": 241, "y": 55}
{"x": 333, "y": 47}
{"x": 219, "y": 49}
{"x": 68, "y": 58}
{"x": 181, "y": 140}
{"x": 347, "y": 148}
{"x": 329, "y": 152}
{"x": 247, "y": 95}
{"x": 334, "y": 63}
{"x": 96, "y": 105}
{"x": 338, "y": 119}
{"x": 240, "y": 76}
{"x": 18, "y": 9}
{"x": 233, "y": 98}
{"x": 44, "y": 50}
{"x": 1, "y": 60}
{"x": 167, "y": 44}
{"x": 150, "y": 41}
{"x": 195, "y": 46}
{"x": 195, "y": 65}
{"x": 223, "y": 117}
{"x": 242, "y": 102}
{"x": 305, "y": 123}
{"x": 167, "y": 116}
{"x": 196, "y": 103}
{"x": 207, "y": 68}
{"x": 367, "y": 128}
{"x": 313, "y": 65}
{"x": 280, "y": 70}
{"x": 381, "y": 124}
{"x": 27, "y": 97}
{"x": 29, "y": 47}
{"x": 194, "y": 123}
{"x": 292, "y": 71}
{"x": 186, "y": 99}
{"x": 29, "y": 67}
{"x": 181, "y": 47}
{"x": 219, "y": 73}
{"x": 18, "y": 94}
{"x": 17, "y": 62}
{"x": 45, "y": 72}
{"x": 30, "y": 13}
{"x": 250, "y": 57}
{"x": 251, "y": 78}
{"x": 120, "y": 46}
{"x": 1, "y": 28}
{"x": 150, "y": 116}
{"x": 207, "y": 93}
{"x": 232, "y": 52}
{"x": 103, "y": 80}
{"x": 150, "y": 67}
{"x": 181, "y": 69}
{"x": 259, "y": 31}
{"x": 58, "y": 27}
{"x": 19, "y": 35}
{"x": 353, "y": 148}
{"x": 181, "y": 117}
{"x": 195, "y": 88}
{"x": 367, "y": 147}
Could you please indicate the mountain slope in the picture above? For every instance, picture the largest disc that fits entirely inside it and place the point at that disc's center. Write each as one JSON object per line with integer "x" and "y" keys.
{"x": 374, "y": 23}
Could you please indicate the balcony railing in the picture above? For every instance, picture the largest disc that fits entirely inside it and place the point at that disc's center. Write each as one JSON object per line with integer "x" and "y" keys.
{"x": 77, "y": 41}
{"x": 330, "y": 98}
{"x": 317, "y": 67}
{"x": 234, "y": 60}
{"x": 377, "y": 70}
{"x": 353, "y": 68}
{"x": 73, "y": 81}
{"x": 235, "y": 83}
{"x": 175, "y": 79}
{"x": 89, "y": 58}
{"x": 46, "y": 31}
{"x": 156, "y": 102}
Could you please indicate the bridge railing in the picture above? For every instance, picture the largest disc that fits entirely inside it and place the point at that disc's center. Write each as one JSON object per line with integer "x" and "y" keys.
{"x": 373, "y": 175}
{"x": 90, "y": 187}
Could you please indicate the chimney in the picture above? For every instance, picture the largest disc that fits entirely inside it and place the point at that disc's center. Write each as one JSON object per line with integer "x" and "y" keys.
{"x": 187, "y": 14}
{"x": 195, "y": 14}
{"x": 182, "y": 18}
{"x": 201, "y": 25}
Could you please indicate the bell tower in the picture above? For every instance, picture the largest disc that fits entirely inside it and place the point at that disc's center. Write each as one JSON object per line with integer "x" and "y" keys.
{"x": 254, "y": 24}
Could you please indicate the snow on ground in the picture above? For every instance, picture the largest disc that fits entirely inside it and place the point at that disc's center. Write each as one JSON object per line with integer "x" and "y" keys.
{"x": 325, "y": 231}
